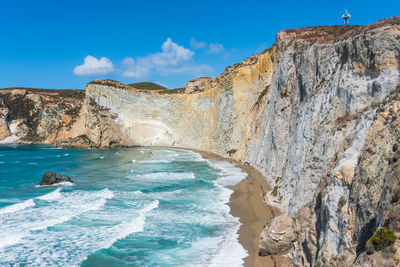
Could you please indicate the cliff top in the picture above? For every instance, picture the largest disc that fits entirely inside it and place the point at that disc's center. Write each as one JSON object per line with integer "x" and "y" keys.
{"x": 65, "y": 93}
{"x": 320, "y": 34}
{"x": 331, "y": 34}
{"x": 131, "y": 87}
{"x": 148, "y": 86}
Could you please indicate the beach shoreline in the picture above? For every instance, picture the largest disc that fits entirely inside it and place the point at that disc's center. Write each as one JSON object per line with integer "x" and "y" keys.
{"x": 247, "y": 203}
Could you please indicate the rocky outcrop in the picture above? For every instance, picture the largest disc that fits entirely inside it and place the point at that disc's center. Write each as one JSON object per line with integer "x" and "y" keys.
{"x": 279, "y": 237}
{"x": 200, "y": 84}
{"x": 324, "y": 98}
{"x": 317, "y": 114}
{"x": 38, "y": 116}
{"x": 49, "y": 116}
{"x": 52, "y": 178}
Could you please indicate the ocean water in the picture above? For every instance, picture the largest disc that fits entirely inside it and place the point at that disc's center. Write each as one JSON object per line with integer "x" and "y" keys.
{"x": 127, "y": 207}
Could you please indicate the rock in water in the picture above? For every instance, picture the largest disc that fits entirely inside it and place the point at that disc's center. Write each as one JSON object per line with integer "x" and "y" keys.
{"x": 51, "y": 178}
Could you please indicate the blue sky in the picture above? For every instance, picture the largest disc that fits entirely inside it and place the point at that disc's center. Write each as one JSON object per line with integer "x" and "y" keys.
{"x": 43, "y": 43}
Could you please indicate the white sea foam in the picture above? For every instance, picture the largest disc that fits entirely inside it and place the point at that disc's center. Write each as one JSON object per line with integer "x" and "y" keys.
{"x": 135, "y": 225}
{"x": 65, "y": 183}
{"x": 102, "y": 157}
{"x": 52, "y": 195}
{"x": 33, "y": 163}
{"x": 17, "y": 207}
{"x": 20, "y": 221}
{"x": 230, "y": 174}
{"x": 156, "y": 161}
{"x": 133, "y": 161}
{"x": 68, "y": 225}
{"x": 162, "y": 176}
{"x": 79, "y": 240}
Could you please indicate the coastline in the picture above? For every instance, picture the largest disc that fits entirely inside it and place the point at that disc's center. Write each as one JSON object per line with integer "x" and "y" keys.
{"x": 247, "y": 204}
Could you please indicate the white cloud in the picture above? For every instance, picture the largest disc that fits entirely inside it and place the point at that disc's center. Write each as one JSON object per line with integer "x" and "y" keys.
{"x": 136, "y": 69}
{"x": 215, "y": 48}
{"x": 93, "y": 66}
{"x": 194, "y": 70}
{"x": 173, "y": 59}
{"x": 197, "y": 44}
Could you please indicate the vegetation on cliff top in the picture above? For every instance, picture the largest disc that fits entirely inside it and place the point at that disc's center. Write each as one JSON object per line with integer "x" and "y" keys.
{"x": 148, "y": 86}
{"x": 65, "y": 93}
{"x": 154, "y": 86}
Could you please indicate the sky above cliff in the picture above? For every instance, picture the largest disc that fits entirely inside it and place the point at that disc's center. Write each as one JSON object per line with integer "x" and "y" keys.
{"x": 65, "y": 44}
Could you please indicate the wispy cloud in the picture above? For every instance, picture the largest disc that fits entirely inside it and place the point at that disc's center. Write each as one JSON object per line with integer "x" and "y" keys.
{"x": 194, "y": 70}
{"x": 197, "y": 44}
{"x": 136, "y": 68}
{"x": 173, "y": 59}
{"x": 93, "y": 66}
{"x": 215, "y": 48}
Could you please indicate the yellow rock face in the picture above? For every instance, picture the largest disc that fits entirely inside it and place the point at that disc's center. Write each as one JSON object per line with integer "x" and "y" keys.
{"x": 215, "y": 118}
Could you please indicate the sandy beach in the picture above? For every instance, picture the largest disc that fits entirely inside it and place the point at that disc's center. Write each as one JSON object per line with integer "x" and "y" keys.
{"x": 247, "y": 203}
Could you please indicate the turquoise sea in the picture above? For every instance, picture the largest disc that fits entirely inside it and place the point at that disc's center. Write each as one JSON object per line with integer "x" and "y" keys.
{"x": 127, "y": 207}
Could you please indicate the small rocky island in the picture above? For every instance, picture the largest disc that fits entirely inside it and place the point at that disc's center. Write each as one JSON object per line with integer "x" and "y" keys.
{"x": 52, "y": 178}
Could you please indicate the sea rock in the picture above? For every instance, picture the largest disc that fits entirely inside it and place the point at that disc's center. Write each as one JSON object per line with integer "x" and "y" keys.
{"x": 51, "y": 178}
{"x": 278, "y": 236}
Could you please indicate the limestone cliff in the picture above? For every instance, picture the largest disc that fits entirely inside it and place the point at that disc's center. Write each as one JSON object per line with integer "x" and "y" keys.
{"x": 317, "y": 114}
{"x": 48, "y": 116}
{"x": 214, "y": 117}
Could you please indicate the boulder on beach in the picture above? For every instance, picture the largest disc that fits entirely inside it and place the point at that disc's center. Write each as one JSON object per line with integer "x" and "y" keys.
{"x": 277, "y": 237}
{"x": 51, "y": 178}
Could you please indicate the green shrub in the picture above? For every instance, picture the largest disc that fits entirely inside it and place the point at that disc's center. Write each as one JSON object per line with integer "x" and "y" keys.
{"x": 231, "y": 152}
{"x": 275, "y": 191}
{"x": 383, "y": 238}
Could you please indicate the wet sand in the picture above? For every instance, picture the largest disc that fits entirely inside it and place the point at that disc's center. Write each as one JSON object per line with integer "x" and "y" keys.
{"x": 247, "y": 203}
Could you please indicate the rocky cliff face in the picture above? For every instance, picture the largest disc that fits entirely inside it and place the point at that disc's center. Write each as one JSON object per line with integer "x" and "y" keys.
{"x": 49, "y": 116}
{"x": 317, "y": 114}
{"x": 37, "y": 116}
{"x": 327, "y": 91}
{"x": 214, "y": 119}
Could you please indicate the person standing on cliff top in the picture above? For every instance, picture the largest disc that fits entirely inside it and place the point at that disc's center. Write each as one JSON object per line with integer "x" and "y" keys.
{"x": 346, "y": 16}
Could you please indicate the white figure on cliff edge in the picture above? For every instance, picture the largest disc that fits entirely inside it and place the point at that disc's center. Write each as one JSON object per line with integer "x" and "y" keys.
{"x": 346, "y": 16}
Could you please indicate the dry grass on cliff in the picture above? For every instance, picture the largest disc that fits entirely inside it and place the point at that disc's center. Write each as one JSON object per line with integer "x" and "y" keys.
{"x": 331, "y": 34}
{"x": 64, "y": 93}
